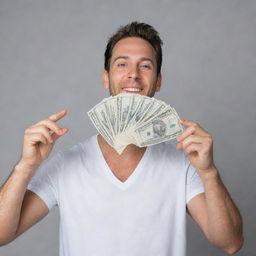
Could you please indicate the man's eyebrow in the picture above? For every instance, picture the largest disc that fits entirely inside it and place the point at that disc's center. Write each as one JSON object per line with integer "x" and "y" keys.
{"x": 120, "y": 57}
{"x": 147, "y": 59}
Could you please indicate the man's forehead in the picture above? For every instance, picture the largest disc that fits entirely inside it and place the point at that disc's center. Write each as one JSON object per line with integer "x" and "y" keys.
{"x": 133, "y": 46}
{"x": 133, "y": 42}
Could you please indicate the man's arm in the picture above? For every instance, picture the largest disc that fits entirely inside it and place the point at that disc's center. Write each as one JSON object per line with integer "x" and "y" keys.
{"x": 216, "y": 214}
{"x": 32, "y": 211}
{"x": 19, "y": 208}
{"x": 214, "y": 210}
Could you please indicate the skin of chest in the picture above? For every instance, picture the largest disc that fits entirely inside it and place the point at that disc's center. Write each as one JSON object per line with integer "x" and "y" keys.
{"x": 123, "y": 166}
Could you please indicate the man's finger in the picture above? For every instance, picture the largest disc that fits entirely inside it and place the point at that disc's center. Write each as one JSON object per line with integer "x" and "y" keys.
{"x": 43, "y": 130}
{"x": 52, "y": 126}
{"x": 193, "y": 148}
{"x": 57, "y": 116}
{"x": 56, "y": 136}
{"x": 190, "y": 140}
{"x": 189, "y": 123}
{"x": 190, "y": 130}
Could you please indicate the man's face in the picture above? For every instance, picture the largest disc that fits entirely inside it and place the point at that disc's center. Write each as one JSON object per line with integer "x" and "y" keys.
{"x": 133, "y": 68}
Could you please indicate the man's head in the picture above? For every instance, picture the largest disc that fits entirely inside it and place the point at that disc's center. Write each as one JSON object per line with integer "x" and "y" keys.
{"x": 133, "y": 59}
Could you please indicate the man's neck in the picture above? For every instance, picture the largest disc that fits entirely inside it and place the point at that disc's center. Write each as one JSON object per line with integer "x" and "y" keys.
{"x": 130, "y": 151}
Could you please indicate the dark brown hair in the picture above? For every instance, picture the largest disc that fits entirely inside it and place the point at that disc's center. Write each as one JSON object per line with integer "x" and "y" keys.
{"x": 135, "y": 29}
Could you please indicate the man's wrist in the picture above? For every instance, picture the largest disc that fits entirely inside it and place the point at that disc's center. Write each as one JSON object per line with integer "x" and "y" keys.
{"x": 209, "y": 173}
{"x": 24, "y": 169}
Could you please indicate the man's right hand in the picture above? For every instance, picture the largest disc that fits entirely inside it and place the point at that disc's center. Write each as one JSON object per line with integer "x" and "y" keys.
{"x": 39, "y": 140}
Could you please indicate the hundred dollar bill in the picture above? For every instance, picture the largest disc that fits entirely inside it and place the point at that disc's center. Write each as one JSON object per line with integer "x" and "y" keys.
{"x": 135, "y": 119}
{"x": 163, "y": 128}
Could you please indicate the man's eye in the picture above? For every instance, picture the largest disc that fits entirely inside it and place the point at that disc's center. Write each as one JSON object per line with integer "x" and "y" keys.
{"x": 121, "y": 64}
{"x": 146, "y": 66}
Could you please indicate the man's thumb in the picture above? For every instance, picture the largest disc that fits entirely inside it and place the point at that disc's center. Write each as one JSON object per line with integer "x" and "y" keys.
{"x": 56, "y": 136}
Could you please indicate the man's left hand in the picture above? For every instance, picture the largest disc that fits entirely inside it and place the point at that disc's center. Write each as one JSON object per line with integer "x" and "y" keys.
{"x": 198, "y": 145}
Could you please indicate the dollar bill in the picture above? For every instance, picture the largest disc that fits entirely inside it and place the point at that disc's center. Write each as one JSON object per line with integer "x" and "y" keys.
{"x": 135, "y": 119}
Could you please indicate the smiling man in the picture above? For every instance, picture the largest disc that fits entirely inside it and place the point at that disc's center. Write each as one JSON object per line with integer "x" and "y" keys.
{"x": 132, "y": 68}
{"x": 131, "y": 204}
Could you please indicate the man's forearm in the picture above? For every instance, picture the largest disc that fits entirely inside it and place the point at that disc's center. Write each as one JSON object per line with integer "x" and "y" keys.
{"x": 11, "y": 197}
{"x": 224, "y": 219}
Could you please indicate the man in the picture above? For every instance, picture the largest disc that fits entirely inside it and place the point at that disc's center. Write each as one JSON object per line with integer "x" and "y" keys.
{"x": 129, "y": 204}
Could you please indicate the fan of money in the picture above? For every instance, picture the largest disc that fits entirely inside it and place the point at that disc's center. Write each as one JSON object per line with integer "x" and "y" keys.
{"x": 134, "y": 119}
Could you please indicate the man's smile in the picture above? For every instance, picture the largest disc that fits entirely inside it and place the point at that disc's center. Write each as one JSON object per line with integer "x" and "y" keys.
{"x": 132, "y": 89}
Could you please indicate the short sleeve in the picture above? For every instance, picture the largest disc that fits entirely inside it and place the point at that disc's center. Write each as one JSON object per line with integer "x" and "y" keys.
{"x": 194, "y": 184}
{"x": 44, "y": 183}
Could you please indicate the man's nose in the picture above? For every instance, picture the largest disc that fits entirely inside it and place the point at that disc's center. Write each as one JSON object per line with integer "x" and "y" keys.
{"x": 133, "y": 72}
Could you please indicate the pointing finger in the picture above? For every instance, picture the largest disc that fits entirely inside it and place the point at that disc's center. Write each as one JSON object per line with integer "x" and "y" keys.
{"x": 57, "y": 116}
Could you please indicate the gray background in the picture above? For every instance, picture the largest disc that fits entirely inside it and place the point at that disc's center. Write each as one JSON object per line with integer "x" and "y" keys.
{"x": 51, "y": 57}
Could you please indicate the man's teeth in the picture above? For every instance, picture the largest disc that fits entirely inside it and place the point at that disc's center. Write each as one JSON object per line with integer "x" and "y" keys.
{"x": 132, "y": 89}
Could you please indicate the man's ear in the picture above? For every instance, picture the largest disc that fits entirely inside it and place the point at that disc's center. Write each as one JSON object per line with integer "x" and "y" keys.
{"x": 158, "y": 82}
{"x": 105, "y": 79}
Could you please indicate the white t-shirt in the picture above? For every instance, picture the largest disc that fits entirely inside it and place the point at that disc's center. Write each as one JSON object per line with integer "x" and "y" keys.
{"x": 102, "y": 216}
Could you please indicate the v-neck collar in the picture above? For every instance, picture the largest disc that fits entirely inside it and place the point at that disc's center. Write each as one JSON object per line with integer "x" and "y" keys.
{"x": 110, "y": 175}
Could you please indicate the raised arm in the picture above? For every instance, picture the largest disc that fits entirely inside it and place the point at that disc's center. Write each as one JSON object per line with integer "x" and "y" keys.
{"x": 19, "y": 207}
{"x": 214, "y": 211}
